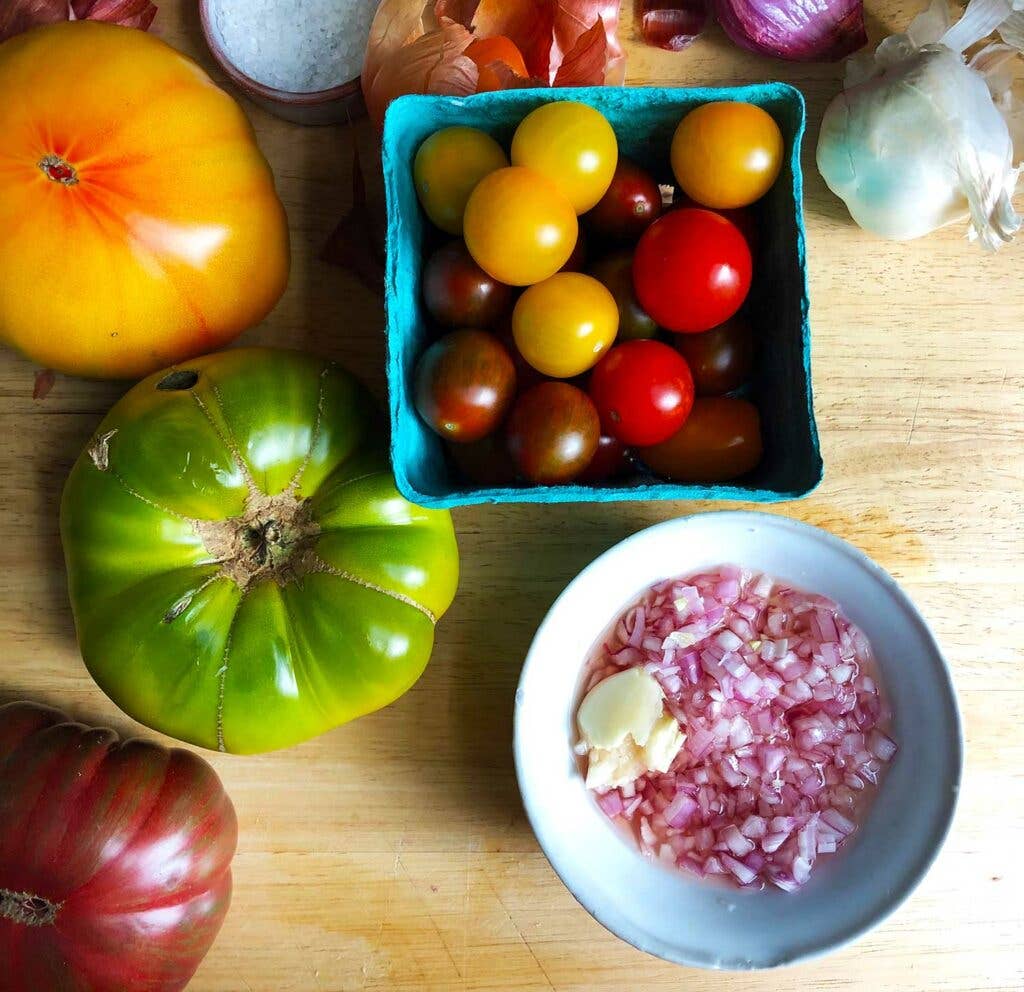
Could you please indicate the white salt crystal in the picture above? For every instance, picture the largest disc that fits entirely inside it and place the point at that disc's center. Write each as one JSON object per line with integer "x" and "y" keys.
{"x": 301, "y": 46}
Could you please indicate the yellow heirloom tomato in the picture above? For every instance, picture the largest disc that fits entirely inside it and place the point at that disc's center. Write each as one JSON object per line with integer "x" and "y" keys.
{"x": 139, "y": 224}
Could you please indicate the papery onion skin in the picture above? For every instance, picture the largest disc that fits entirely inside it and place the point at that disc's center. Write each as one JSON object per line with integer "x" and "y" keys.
{"x": 797, "y": 31}
{"x": 127, "y": 13}
{"x": 432, "y": 63}
{"x": 17, "y": 16}
{"x": 560, "y": 41}
{"x": 20, "y": 15}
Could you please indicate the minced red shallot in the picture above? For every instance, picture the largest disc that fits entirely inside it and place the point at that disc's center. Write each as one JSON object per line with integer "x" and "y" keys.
{"x": 776, "y": 693}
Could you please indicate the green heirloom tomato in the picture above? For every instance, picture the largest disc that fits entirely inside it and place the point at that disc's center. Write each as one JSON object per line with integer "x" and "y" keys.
{"x": 243, "y": 573}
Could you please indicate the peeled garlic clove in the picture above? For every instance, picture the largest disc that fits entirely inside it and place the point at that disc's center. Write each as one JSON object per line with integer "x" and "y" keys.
{"x": 617, "y": 766}
{"x": 627, "y": 703}
{"x": 663, "y": 744}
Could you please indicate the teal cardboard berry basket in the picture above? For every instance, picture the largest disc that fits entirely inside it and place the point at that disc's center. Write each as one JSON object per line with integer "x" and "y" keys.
{"x": 644, "y": 120}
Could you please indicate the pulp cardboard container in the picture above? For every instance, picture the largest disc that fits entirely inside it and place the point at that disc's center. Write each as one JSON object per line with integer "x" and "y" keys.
{"x": 644, "y": 120}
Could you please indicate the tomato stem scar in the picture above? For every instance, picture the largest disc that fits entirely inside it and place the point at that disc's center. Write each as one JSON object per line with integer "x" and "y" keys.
{"x": 25, "y": 908}
{"x": 59, "y": 171}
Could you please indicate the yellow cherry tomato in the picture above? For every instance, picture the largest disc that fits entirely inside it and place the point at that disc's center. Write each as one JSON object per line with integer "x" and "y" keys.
{"x": 563, "y": 325}
{"x": 727, "y": 155}
{"x": 519, "y": 228}
{"x": 573, "y": 145}
{"x": 448, "y": 166}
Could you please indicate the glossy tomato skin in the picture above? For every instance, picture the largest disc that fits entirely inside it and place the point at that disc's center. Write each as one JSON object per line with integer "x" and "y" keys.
{"x": 616, "y": 273}
{"x": 578, "y": 259}
{"x": 629, "y": 206}
{"x": 465, "y": 382}
{"x": 743, "y": 217}
{"x": 519, "y": 227}
{"x": 552, "y": 433}
{"x": 126, "y": 847}
{"x": 721, "y": 440}
{"x": 692, "y": 270}
{"x": 448, "y": 166}
{"x": 610, "y": 461}
{"x": 643, "y": 392}
{"x": 458, "y": 293}
{"x": 563, "y": 325}
{"x": 721, "y": 359}
{"x": 727, "y": 154}
{"x": 154, "y": 240}
{"x": 485, "y": 52}
{"x": 233, "y": 527}
{"x": 526, "y": 374}
{"x": 485, "y": 462}
{"x": 573, "y": 146}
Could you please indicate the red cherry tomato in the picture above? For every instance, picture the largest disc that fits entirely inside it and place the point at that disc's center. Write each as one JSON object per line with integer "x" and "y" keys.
{"x": 458, "y": 293}
{"x": 609, "y": 461}
{"x": 720, "y": 440}
{"x": 692, "y": 270}
{"x": 464, "y": 385}
{"x": 631, "y": 205}
{"x": 743, "y": 217}
{"x": 721, "y": 359}
{"x": 643, "y": 391}
{"x": 552, "y": 432}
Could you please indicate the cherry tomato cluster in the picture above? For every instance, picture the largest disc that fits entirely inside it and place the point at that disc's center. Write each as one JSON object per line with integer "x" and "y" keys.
{"x": 550, "y": 369}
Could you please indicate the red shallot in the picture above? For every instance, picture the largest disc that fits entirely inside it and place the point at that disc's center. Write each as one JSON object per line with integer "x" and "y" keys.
{"x": 777, "y": 694}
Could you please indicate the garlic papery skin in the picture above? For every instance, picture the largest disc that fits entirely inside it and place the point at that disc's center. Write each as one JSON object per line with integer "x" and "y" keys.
{"x": 919, "y": 138}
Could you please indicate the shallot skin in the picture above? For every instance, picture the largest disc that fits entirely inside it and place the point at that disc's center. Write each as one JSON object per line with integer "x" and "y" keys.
{"x": 777, "y": 694}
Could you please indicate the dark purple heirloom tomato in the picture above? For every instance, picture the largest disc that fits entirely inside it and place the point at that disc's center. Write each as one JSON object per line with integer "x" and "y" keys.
{"x": 115, "y": 858}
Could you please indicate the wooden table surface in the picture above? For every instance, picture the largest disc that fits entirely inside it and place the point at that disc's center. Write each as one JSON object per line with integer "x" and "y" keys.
{"x": 393, "y": 854}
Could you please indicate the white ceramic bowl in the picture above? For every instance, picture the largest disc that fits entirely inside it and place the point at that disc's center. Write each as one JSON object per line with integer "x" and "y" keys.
{"x": 704, "y": 923}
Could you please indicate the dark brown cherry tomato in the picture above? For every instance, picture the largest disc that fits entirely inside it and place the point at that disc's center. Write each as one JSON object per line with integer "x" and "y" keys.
{"x": 526, "y": 374}
{"x": 632, "y": 203}
{"x": 643, "y": 391}
{"x": 616, "y": 272}
{"x": 458, "y": 293}
{"x": 464, "y": 385}
{"x": 721, "y": 359}
{"x": 609, "y": 461}
{"x": 484, "y": 462}
{"x": 720, "y": 440}
{"x": 552, "y": 432}
{"x": 578, "y": 259}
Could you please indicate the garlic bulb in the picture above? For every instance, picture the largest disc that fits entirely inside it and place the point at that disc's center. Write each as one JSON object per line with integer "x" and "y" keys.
{"x": 920, "y": 137}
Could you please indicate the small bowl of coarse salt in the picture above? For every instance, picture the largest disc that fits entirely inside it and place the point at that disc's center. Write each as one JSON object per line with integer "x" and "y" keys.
{"x": 298, "y": 59}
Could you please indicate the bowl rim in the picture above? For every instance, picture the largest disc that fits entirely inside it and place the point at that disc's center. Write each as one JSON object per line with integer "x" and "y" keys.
{"x": 253, "y": 87}
{"x": 895, "y": 899}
